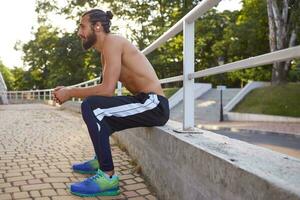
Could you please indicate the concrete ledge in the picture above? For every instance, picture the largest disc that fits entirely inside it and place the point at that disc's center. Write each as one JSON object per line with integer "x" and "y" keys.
{"x": 234, "y": 116}
{"x": 210, "y": 166}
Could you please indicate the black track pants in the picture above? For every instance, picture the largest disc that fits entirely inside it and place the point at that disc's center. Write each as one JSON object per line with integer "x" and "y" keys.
{"x": 105, "y": 115}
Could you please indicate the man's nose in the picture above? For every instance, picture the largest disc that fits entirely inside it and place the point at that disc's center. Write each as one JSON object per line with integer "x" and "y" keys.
{"x": 79, "y": 33}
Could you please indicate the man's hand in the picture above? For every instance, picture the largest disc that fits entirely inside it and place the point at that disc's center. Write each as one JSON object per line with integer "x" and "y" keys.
{"x": 61, "y": 94}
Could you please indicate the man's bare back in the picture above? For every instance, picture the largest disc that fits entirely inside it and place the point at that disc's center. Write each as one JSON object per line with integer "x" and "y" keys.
{"x": 137, "y": 73}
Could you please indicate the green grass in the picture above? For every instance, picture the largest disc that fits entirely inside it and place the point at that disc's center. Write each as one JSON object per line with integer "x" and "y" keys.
{"x": 168, "y": 91}
{"x": 283, "y": 100}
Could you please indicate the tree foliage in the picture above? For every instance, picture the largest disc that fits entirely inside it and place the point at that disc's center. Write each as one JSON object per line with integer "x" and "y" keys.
{"x": 55, "y": 57}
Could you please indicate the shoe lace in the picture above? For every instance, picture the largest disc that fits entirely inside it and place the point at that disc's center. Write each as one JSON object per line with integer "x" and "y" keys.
{"x": 98, "y": 175}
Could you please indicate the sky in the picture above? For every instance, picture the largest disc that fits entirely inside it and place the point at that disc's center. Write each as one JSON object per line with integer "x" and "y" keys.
{"x": 17, "y": 17}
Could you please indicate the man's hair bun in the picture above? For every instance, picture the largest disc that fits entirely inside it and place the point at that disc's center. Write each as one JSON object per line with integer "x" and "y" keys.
{"x": 109, "y": 14}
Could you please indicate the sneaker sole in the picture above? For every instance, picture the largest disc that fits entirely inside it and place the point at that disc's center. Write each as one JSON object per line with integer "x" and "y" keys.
{"x": 107, "y": 193}
{"x": 84, "y": 172}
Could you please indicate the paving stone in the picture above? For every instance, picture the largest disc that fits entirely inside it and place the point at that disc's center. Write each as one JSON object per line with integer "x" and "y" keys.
{"x": 36, "y": 187}
{"x": 42, "y": 198}
{"x": 41, "y": 176}
{"x": 13, "y": 174}
{"x": 66, "y": 197}
{"x": 5, "y": 185}
{"x": 130, "y": 193}
{"x": 37, "y": 172}
{"x": 56, "y": 180}
{"x": 49, "y": 192}
{"x": 62, "y": 192}
{"x": 58, "y": 185}
{"x": 127, "y": 176}
{"x": 60, "y": 174}
{"x": 34, "y": 181}
{"x": 135, "y": 186}
{"x": 34, "y": 194}
{"x": 143, "y": 191}
{"x": 137, "y": 198}
{"x": 20, "y": 195}
{"x": 19, "y": 183}
{"x": 11, "y": 189}
{"x": 139, "y": 179}
{"x": 151, "y": 197}
{"x": 19, "y": 178}
{"x": 129, "y": 181}
{"x": 5, "y": 196}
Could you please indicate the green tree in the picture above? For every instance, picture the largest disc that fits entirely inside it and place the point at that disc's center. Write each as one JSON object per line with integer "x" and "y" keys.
{"x": 284, "y": 25}
{"x": 57, "y": 58}
{"x": 248, "y": 37}
{"x": 20, "y": 76}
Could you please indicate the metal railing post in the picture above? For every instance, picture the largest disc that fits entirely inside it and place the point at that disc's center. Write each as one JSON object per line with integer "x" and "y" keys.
{"x": 188, "y": 67}
{"x": 50, "y": 95}
{"x": 119, "y": 90}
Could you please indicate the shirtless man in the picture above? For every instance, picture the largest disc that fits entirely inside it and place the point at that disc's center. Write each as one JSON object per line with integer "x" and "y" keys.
{"x": 105, "y": 113}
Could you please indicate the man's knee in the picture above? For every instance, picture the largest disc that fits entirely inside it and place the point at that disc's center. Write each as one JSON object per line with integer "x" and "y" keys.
{"x": 86, "y": 106}
{"x": 87, "y": 103}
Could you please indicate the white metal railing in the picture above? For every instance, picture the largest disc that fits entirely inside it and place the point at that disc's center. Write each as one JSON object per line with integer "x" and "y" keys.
{"x": 3, "y": 89}
{"x": 186, "y": 24}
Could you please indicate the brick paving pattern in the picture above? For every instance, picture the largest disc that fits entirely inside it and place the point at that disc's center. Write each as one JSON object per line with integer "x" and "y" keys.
{"x": 38, "y": 145}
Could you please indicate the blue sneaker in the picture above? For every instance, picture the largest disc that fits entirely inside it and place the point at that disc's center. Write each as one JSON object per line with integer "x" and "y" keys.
{"x": 97, "y": 185}
{"x": 88, "y": 167}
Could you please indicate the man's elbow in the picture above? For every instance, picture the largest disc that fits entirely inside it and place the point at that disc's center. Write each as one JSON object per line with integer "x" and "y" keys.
{"x": 108, "y": 92}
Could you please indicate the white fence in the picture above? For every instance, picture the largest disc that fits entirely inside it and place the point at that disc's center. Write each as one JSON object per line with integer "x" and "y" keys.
{"x": 186, "y": 24}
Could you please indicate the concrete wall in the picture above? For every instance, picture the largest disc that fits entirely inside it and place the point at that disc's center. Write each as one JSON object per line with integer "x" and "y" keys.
{"x": 210, "y": 166}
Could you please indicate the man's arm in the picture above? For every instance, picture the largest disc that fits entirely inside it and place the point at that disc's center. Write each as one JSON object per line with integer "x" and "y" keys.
{"x": 111, "y": 72}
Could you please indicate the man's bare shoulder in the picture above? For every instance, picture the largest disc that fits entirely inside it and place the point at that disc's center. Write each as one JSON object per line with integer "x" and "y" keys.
{"x": 116, "y": 39}
{"x": 119, "y": 42}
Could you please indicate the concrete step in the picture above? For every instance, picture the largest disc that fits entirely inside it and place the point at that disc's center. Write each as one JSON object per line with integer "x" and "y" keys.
{"x": 207, "y": 106}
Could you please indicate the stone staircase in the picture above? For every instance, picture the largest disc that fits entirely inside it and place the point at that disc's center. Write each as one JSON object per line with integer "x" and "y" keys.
{"x": 207, "y": 106}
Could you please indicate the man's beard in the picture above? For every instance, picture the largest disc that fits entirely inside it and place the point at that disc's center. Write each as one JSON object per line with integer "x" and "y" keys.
{"x": 90, "y": 41}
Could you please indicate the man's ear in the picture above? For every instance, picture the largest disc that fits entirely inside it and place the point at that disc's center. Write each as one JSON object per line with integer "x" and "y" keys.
{"x": 98, "y": 27}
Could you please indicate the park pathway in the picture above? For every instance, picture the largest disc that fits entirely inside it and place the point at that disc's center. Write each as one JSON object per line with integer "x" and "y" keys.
{"x": 39, "y": 143}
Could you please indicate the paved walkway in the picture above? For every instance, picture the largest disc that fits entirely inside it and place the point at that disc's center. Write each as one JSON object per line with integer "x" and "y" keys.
{"x": 39, "y": 143}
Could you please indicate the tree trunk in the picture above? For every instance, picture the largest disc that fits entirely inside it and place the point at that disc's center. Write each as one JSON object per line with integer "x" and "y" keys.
{"x": 279, "y": 37}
